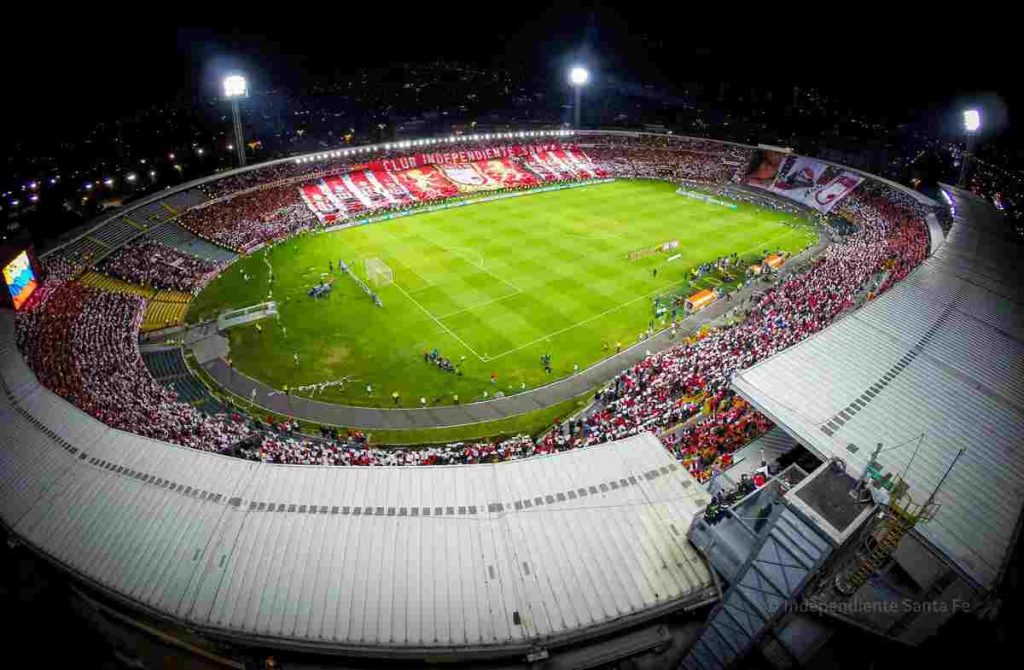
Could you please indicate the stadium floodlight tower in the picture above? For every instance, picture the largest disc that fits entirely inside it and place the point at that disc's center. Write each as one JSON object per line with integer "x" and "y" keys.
{"x": 578, "y": 77}
{"x": 972, "y": 122}
{"x": 236, "y": 88}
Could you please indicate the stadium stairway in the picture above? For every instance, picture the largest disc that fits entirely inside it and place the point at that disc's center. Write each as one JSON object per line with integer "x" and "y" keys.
{"x": 97, "y": 243}
{"x": 168, "y": 368}
{"x": 177, "y": 237}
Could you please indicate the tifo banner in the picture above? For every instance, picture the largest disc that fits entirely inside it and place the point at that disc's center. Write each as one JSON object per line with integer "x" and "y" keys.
{"x": 384, "y": 185}
{"x": 798, "y": 177}
{"x": 766, "y": 167}
{"x": 808, "y": 181}
{"x": 455, "y": 157}
{"x": 829, "y": 195}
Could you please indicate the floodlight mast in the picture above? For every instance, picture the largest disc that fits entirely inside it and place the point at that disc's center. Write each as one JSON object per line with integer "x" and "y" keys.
{"x": 578, "y": 77}
{"x": 972, "y": 122}
{"x": 235, "y": 89}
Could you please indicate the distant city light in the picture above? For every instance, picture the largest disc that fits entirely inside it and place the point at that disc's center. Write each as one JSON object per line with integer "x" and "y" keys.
{"x": 231, "y": 147}
{"x": 88, "y": 186}
{"x": 33, "y": 185}
{"x": 578, "y": 76}
{"x": 34, "y": 198}
{"x": 972, "y": 120}
{"x": 108, "y": 182}
{"x": 170, "y": 157}
{"x": 199, "y": 151}
{"x": 235, "y": 86}
{"x": 53, "y": 180}
{"x": 142, "y": 160}
{"x": 152, "y": 173}
{"x": 131, "y": 176}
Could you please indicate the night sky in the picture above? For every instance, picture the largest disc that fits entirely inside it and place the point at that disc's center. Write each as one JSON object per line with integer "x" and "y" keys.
{"x": 112, "y": 60}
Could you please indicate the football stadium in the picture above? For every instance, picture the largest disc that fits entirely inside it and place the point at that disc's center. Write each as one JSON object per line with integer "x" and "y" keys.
{"x": 607, "y": 381}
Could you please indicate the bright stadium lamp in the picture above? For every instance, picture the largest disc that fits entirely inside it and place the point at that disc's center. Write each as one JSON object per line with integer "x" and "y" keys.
{"x": 578, "y": 77}
{"x": 235, "y": 88}
{"x": 972, "y": 122}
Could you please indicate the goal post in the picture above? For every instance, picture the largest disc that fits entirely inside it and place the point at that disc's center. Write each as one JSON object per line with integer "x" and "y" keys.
{"x": 378, "y": 273}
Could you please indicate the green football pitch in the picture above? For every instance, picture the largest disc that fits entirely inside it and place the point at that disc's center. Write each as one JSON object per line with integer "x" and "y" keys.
{"x": 491, "y": 286}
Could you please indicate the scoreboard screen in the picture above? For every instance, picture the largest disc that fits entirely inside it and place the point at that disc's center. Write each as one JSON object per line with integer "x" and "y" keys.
{"x": 20, "y": 280}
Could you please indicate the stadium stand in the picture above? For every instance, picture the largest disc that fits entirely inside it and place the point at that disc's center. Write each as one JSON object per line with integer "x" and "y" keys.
{"x": 168, "y": 368}
{"x": 113, "y": 285}
{"x": 162, "y": 314}
{"x": 176, "y": 237}
{"x": 154, "y": 265}
{"x": 81, "y": 343}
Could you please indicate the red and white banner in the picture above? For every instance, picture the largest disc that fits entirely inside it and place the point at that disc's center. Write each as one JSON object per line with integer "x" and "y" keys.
{"x": 798, "y": 176}
{"x": 813, "y": 183}
{"x": 457, "y": 157}
{"x": 829, "y": 195}
{"x": 378, "y": 186}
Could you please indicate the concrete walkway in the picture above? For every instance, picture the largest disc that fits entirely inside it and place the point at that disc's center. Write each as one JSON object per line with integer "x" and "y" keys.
{"x": 202, "y": 342}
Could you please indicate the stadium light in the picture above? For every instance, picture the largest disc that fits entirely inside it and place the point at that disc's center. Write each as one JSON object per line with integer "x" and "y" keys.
{"x": 578, "y": 77}
{"x": 972, "y": 122}
{"x": 236, "y": 88}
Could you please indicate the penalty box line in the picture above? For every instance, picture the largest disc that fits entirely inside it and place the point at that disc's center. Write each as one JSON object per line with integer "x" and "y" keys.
{"x": 437, "y": 321}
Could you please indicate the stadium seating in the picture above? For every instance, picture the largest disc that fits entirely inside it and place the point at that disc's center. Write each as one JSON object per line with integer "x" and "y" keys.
{"x": 168, "y": 367}
{"x": 114, "y": 285}
{"x": 163, "y": 314}
{"x": 155, "y": 265}
{"x": 176, "y": 237}
{"x": 81, "y": 344}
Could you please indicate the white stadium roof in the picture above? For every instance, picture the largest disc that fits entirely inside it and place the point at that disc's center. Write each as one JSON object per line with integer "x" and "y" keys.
{"x": 416, "y": 559}
{"x": 940, "y": 355}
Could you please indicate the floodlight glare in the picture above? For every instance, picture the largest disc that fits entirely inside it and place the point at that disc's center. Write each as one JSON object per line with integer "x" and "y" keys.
{"x": 235, "y": 86}
{"x": 972, "y": 120}
{"x": 578, "y": 76}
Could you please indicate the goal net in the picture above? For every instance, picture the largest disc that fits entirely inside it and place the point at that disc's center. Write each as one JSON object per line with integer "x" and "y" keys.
{"x": 378, "y": 273}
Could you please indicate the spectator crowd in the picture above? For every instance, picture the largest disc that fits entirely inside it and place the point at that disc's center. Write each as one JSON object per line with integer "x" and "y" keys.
{"x": 160, "y": 267}
{"x": 81, "y": 343}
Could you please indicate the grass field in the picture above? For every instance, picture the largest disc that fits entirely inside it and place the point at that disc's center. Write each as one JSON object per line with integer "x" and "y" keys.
{"x": 492, "y": 286}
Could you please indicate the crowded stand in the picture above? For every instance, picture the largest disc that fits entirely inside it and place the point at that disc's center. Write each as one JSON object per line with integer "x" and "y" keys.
{"x": 248, "y": 221}
{"x": 289, "y": 448}
{"x": 74, "y": 340}
{"x": 157, "y": 266}
{"x": 59, "y": 267}
{"x": 81, "y": 344}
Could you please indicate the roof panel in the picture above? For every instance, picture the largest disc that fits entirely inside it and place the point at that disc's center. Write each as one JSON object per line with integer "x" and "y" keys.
{"x": 475, "y": 556}
{"x": 941, "y": 360}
